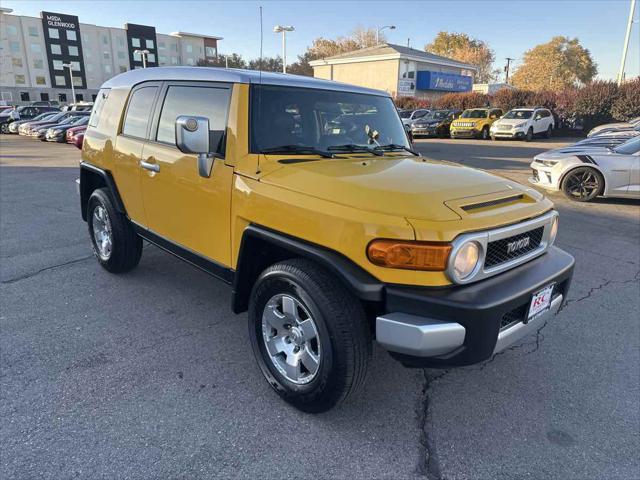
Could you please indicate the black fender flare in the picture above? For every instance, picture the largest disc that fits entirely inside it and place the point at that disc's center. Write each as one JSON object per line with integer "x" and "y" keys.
{"x": 261, "y": 247}
{"x": 88, "y": 185}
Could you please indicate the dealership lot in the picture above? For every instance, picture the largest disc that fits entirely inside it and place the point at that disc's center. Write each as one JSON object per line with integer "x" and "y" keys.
{"x": 151, "y": 375}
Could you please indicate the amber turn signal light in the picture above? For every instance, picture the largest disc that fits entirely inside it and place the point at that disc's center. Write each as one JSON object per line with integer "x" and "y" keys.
{"x": 431, "y": 256}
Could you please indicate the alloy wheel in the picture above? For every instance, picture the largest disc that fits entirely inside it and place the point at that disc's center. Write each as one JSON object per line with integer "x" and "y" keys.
{"x": 102, "y": 233}
{"x": 582, "y": 185}
{"x": 291, "y": 338}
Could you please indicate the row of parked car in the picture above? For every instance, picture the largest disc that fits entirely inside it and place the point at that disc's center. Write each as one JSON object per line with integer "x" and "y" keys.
{"x": 606, "y": 163}
{"x": 518, "y": 123}
{"x": 48, "y": 123}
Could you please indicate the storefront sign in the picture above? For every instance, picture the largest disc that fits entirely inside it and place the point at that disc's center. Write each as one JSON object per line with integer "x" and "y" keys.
{"x": 406, "y": 87}
{"x": 448, "y": 82}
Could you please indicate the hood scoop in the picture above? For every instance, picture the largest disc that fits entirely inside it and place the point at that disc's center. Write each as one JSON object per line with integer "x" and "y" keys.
{"x": 491, "y": 203}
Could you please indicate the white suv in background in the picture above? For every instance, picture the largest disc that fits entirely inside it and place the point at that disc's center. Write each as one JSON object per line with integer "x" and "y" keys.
{"x": 523, "y": 123}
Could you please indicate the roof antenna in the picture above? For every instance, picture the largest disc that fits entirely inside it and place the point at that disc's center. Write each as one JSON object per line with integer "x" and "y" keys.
{"x": 260, "y": 87}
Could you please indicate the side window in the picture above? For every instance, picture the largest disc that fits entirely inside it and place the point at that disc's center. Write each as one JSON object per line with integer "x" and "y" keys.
{"x": 98, "y": 106}
{"x": 139, "y": 112}
{"x": 209, "y": 102}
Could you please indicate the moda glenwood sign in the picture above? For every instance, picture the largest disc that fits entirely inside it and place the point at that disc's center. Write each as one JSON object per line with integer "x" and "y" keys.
{"x": 56, "y": 20}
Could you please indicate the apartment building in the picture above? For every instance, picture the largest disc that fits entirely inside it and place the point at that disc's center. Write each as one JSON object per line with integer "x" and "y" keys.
{"x": 40, "y": 58}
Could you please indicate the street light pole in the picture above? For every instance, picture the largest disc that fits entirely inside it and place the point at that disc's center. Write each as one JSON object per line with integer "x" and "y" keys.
{"x": 143, "y": 54}
{"x": 73, "y": 89}
{"x": 283, "y": 29}
{"x": 378, "y": 30}
{"x": 626, "y": 42}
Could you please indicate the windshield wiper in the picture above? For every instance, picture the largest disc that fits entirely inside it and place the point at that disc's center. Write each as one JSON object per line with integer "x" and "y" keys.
{"x": 352, "y": 147}
{"x": 396, "y": 146}
{"x": 298, "y": 149}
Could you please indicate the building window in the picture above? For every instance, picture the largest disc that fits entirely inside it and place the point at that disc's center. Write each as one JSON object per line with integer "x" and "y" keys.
{"x": 174, "y": 60}
{"x": 151, "y": 58}
{"x": 149, "y": 43}
{"x": 123, "y": 69}
{"x": 62, "y": 97}
{"x": 79, "y": 97}
{"x": 73, "y": 51}
{"x": 135, "y": 42}
{"x": 87, "y": 53}
{"x": 174, "y": 47}
{"x": 189, "y": 48}
{"x": 121, "y": 55}
{"x": 24, "y": 96}
{"x": 38, "y": 63}
{"x": 189, "y": 61}
{"x": 33, "y": 31}
{"x": 60, "y": 80}
{"x": 210, "y": 51}
{"x": 106, "y": 55}
{"x": 44, "y": 97}
{"x": 20, "y": 80}
{"x": 85, "y": 38}
{"x": 77, "y": 82}
{"x": 161, "y": 45}
{"x": 17, "y": 62}
{"x": 75, "y": 66}
{"x": 12, "y": 30}
{"x": 93, "y": 97}
{"x": 55, "y": 49}
{"x": 36, "y": 48}
{"x": 107, "y": 69}
{"x": 137, "y": 57}
{"x": 71, "y": 35}
{"x": 162, "y": 59}
{"x": 120, "y": 42}
{"x": 57, "y": 65}
{"x": 14, "y": 47}
{"x": 54, "y": 33}
{"x": 40, "y": 80}
{"x": 105, "y": 40}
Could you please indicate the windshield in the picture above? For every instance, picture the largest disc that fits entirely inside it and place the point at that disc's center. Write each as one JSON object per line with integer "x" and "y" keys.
{"x": 42, "y": 116}
{"x": 321, "y": 119}
{"x": 629, "y": 147}
{"x": 405, "y": 114}
{"x": 475, "y": 114}
{"x": 439, "y": 114}
{"x": 518, "y": 114}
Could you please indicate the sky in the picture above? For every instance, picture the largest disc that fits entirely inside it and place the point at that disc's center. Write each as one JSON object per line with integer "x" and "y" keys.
{"x": 510, "y": 27}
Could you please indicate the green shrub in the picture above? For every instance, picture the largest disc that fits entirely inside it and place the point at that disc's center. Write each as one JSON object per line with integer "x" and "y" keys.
{"x": 627, "y": 104}
{"x": 594, "y": 101}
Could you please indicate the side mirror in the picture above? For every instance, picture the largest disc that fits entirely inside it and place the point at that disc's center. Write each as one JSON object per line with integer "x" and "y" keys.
{"x": 192, "y": 136}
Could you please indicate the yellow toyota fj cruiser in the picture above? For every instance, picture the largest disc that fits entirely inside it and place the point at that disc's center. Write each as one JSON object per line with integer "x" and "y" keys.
{"x": 305, "y": 196}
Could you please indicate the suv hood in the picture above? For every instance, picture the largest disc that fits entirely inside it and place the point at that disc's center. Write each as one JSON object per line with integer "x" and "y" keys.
{"x": 411, "y": 187}
{"x": 511, "y": 121}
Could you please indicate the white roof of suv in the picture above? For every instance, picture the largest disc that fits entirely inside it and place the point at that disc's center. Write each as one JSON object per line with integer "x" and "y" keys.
{"x": 231, "y": 75}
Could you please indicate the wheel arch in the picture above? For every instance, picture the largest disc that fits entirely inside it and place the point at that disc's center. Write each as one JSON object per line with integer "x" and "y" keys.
{"x": 261, "y": 247}
{"x": 92, "y": 178}
{"x": 594, "y": 166}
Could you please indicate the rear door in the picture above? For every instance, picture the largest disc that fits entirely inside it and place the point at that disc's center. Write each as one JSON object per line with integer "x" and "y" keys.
{"x": 191, "y": 211}
{"x": 127, "y": 151}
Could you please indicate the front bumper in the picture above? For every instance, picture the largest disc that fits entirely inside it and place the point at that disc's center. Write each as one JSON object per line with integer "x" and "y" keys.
{"x": 56, "y": 137}
{"x": 464, "y": 133}
{"x": 425, "y": 131}
{"x": 463, "y": 325}
{"x": 507, "y": 133}
{"x": 544, "y": 177}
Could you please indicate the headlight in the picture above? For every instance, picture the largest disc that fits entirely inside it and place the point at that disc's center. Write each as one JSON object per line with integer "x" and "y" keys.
{"x": 549, "y": 163}
{"x": 520, "y": 125}
{"x": 466, "y": 260}
{"x": 554, "y": 230}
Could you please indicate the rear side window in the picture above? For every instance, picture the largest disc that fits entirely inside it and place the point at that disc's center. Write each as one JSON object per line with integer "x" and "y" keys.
{"x": 209, "y": 102}
{"x": 98, "y": 106}
{"x": 139, "y": 112}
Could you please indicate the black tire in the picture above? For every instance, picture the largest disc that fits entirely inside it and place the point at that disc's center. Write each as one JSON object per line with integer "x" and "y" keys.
{"x": 484, "y": 134}
{"x": 343, "y": 334}
{"x": 126, "y": 244}
{"x": 582, "y": 184}
{"x": 547, "y": 134}
{"x": 529, "y": 136}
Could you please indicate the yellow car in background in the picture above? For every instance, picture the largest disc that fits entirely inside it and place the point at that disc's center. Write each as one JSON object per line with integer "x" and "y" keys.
{"x": 475, "y": 123}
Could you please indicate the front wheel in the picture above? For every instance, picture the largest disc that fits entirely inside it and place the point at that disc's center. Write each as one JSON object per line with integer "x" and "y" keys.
{"x": 529, "y": 136}
{"x": 582, "y": 184}
{"x": 484, "y": 135}
{"x": 115, "y": 244}
{"x": 309, "y": 335}
{"x": 4, "y": 128}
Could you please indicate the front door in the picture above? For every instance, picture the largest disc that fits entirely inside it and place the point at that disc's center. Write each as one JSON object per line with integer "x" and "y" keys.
{"x": 191, "y": 211}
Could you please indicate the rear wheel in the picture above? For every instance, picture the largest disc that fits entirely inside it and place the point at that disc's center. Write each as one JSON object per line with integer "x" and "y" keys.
{"x": 115, "y": 244}
{"x": 4, "y": 128}
{"x": 309, "y": 335}
{"x": 582, "y": 184}
{"x": 529, "y": 136}
{"x": 548, "y": 132}
{"x": 484, "y": 135}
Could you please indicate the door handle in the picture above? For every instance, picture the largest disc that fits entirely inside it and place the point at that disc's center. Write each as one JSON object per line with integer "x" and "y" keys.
{"x": 154, "y": 167}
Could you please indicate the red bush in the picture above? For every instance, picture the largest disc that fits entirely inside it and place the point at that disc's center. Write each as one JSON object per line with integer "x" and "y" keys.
{"x": 463, "y": 101}
{"x": 508, "y": 98}
{"x": 627, "y": 104}
{"x": 594, "y": 101}
{"x": 411, "y": 103}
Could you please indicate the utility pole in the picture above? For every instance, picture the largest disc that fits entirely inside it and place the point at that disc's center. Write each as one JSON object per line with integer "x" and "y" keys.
{"x": 408, "y": 42}
{"x": 626, "y": 42}
{"x": 506, "y": 69}
{"x": 283, "y": 29}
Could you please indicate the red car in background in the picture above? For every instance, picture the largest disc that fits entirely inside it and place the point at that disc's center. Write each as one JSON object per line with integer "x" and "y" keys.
{"x": 73, "y": 132}
{"x": 78, "y": 138}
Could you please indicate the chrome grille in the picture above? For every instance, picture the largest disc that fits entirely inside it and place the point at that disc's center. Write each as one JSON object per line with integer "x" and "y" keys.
{"x": 498, "y": 251}
{"x": 465, "y": 124}
{"x": 504, "y": 127}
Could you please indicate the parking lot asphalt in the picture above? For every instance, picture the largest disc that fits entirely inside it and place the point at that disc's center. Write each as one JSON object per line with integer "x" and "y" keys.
{"x": 149, "y": 374}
